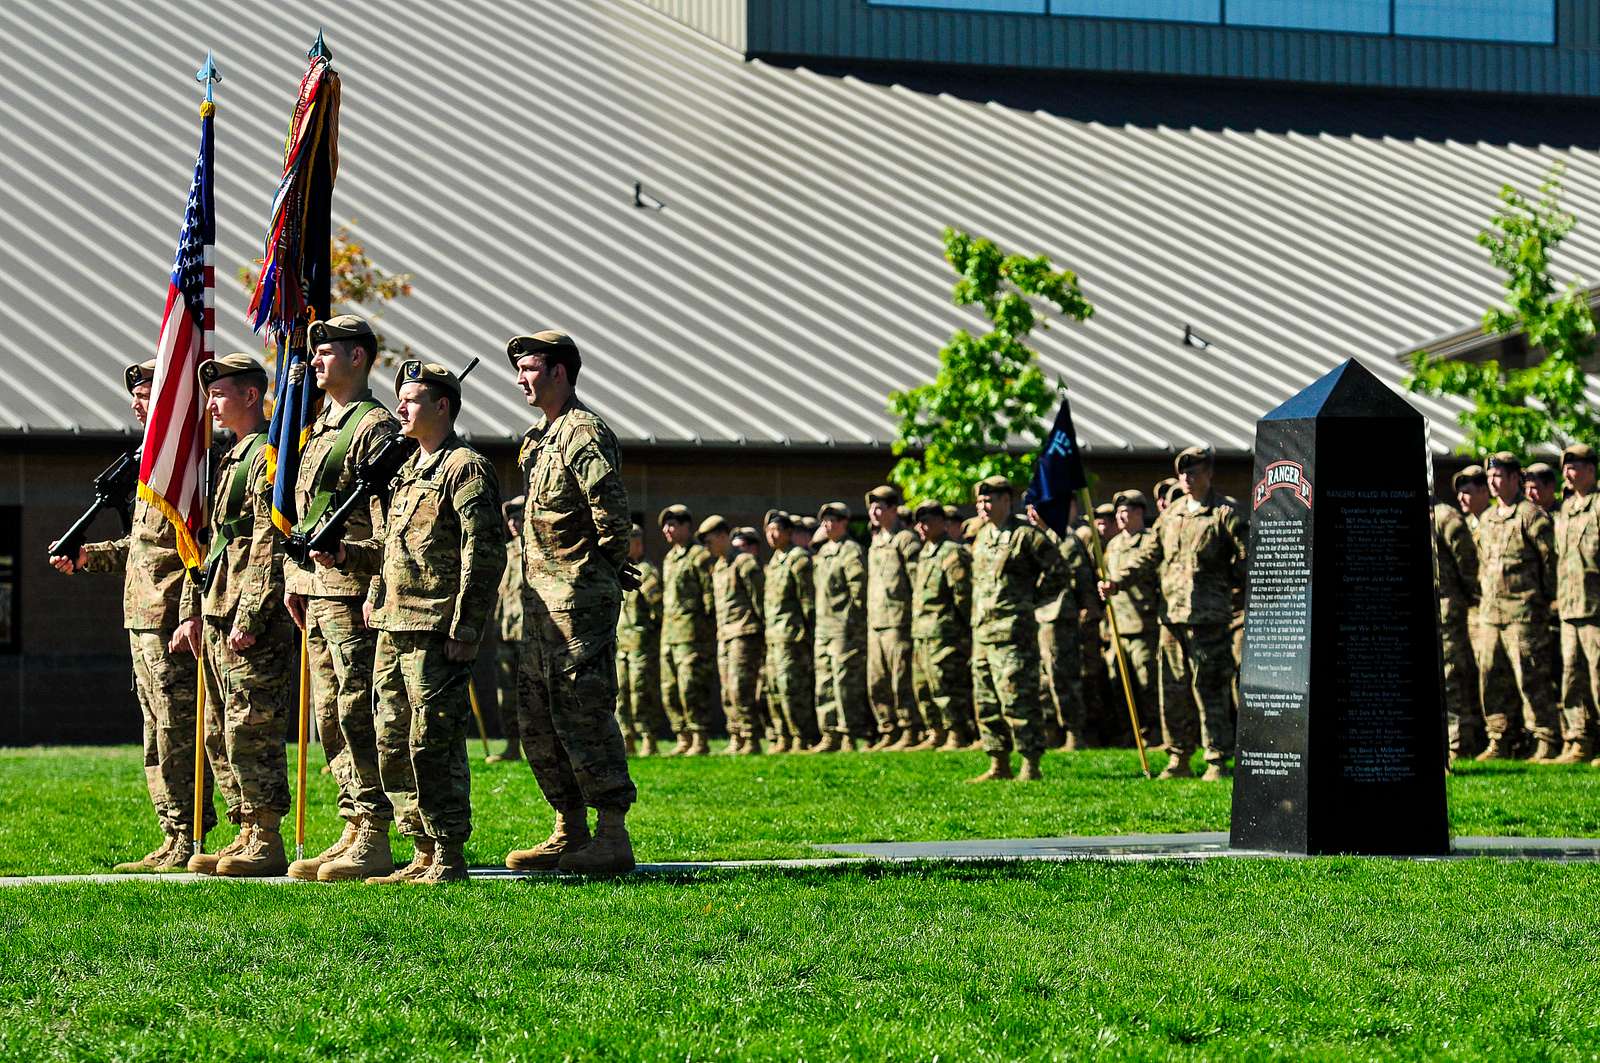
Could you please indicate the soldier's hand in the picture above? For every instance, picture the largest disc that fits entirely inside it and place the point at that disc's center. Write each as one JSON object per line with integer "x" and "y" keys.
{"x": 628, "y": 576}
{"x": 186, "y": 634}
{"x": 66, "y": 565}
{"x": 329, "y": 560}
{"x": 458, "y": 651}
{"x": 296, "y": 604}
{"x": 239, "y": 641}
{"x": 366, "y": 613}
{"x": 1107, "y": 588}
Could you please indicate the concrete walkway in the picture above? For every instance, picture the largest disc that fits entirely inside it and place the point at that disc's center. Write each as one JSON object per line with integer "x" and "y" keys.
{"x": 1137, "y": 848}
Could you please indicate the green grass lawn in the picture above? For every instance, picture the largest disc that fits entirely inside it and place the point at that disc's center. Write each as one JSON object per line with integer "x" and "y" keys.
{"x": 1330, "y": 958}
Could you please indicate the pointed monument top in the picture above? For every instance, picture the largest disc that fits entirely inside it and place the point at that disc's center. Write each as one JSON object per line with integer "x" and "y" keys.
{"x": 319, "y": 48}
{"x": 1351, "y": 390}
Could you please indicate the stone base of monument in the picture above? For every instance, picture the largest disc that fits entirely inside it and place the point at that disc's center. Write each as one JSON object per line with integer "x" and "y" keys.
{"x": 1341, "y": 739}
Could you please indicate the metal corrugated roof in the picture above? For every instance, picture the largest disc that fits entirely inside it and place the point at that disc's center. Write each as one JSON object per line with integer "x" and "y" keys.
{"x": 795, "y": 275}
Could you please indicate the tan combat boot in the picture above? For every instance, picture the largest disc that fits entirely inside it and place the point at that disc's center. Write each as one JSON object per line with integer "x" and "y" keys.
{"x": 999, "y": 768}
{"x": 1072, "y": 742}
{"x": 512, "y": 752}
{"x": 1215, "y": 771}
{"x": 829, "y": 743}
{"x": 682, "y": 747}
{"x": 630, "y": 746}
{"x": 421, "y": 860}
{"x": 953, "y": 743}
{"x": 609, "y": 852}
{"x": 734, "y": 747}
{"x": 571, "y": 831}
{"x": 369, "y": 856}
{"x": 780, "y": 744}
{"x": 151, "y": 860}
{"x": 910, "y": 738}
{"x": 1578, "y": 751}
{"x": 1177, "y": 767}
{"x": 647, "y": 745}
{"x": 306, "y": 869}
{"x": 884, "y": 740}
{"x": 263, "y": 857}
{"x": 177, "y": 858}
{"x": 206, "y": 863}
{"x": 449, "y": 865}
{"x": 1030, "y": 769}
{"x": 751, "y": 747}
{"x": 697, "y": 745}
{"x": 1499, "y": 748}
{"x": 1546, "y": 752}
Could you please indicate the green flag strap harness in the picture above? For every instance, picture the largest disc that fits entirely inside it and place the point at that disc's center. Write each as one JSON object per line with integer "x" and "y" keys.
{"x": 234, "y": 522}
{"x": 332, "y": 466}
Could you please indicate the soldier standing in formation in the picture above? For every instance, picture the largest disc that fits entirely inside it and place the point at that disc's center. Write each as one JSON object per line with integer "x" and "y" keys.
{"x": 941, "y": 632}
{"x": 1015, "y": 570}
{"x": 789, "y": 609}
{"x": 438, "y": 566}
{"x": 1137, "y": 609}
{"x": 1457, "y": 586}
{"x": 508, "y": 619}
{"x": 159, "y": 610}
{"x": 1065, "y": 623}
{"x": 688, "y": 633}
{"x": 841, "y": 632}
{"x": 738, "y": 594}
{"x": 1472, "y": 492}
{"x": 638, "y": 654}
{"x": 889, "y": 562}
{"x": 1578, "y": 599}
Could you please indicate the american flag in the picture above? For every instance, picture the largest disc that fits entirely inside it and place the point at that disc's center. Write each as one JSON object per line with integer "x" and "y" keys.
{"x": 170, "y": 470}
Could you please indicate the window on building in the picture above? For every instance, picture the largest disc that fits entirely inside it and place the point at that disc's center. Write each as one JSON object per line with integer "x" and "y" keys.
{"x": 10, "y": 579}
{"x": 1164, "y": 10}
{"x": 1348, "y": 16}
{"x": 1527, "y": 21}
{"x": 1027, "y": 7}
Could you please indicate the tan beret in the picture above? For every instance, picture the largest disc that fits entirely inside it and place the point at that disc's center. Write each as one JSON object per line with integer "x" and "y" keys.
{"x": 542, "y": 342}
{"x": 713, "y": 523}
{"x": 1578, "y": 452}
{"x": 991, "y": 485}
{"x": 952, "y": 513}
{"x": 675, "y": 512}
{"x": 1472, "y": 474}
{"x": 214, "y": 369}
{"x": 928, "y": 508}
{"x": 139, "y": 373}
{"x": 342, "y": 327}
{"x": 513, "y": 507}
{"x": 1505, "y": 460}
{"x": 414, "y": 371}
{"x": 778, "y": 517}
{"x": 1131, "y": 498}
{"x": 833, "y": 509}
{"x": 885, "y": 494}
{"x": 1188, "y": 456}
{"x": 746, "y": 534}
{"x": 1541, "y": 471}
{"x": 807, "y": 523}
{"x": 1105, "y": 511}
{"x": 1160, "y": 490}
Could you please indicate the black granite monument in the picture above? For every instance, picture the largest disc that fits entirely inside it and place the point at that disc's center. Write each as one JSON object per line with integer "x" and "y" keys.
{"x": 1341, "y": 727}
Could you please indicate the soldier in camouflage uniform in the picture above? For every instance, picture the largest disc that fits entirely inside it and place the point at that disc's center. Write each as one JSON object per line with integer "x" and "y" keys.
{"x": 941, "y": 632}
{"x": 508, "y": 620}
{"x": 438, "y": 567}
{"x": 1578, "y": 598}
{"x": 333, "y": 605}
{"x": 1138, "y": 613}
{"x": 805, "y": 528}
{"x": 248, "y": 636}
{"x": 639, "y": 712}
{"x": 1015, "y": 570}
{"x": 1456, "y": 580}
{"x": 1199, "y": 547}
{"x": 1063, "y": 620}
{"x": 1092, "y": 682}
{"x": 788, "y": 610}
{"x": 1539, "y": 482}
{"x": 890, "y": 560}
{"x": 160, "y": 609}
{"x": 1517, "y": 589}
{"x": 738, "y": 596}
{"x": 1472, "y": 492}
{"x": 1160, "y": 494}
{"x": 688, "y": 634}
{"x": 575, "y": 539}
{"x": 841, "y": 633}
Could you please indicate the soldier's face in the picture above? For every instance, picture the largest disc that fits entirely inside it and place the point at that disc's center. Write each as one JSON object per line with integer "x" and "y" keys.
{"x": 675, "y": 532}
{"x": 335, "y": 365}
{"x": 995, "y": 508}
{"x": 540, "y": 383}
{"x": 800, "y": 537}
{"x": 717, "y": 543}
{"x": 1196, "y": 479}
{"x": 419, "y": 413}
{"x": 1103, "y": 525}
{"x": 777, "y": 536}
{"x": 1579, "y": 475}
{"x": 881, "y": 515}
{"x": 514, "y": 526}
{"x": 834, "y": 528}
{"x": 635, "y": 547}
{"x": 141, "y": 402}
{"x": 228, "y": 403}
{"x": 1540, "y": 493}
{"x": 930, "y": 528}
{"x": 1130, "y": 518}
{"x": 1505, "y": 483}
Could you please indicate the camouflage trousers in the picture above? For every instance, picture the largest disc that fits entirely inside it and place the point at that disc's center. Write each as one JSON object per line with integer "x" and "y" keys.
{"x": 1061, "y": 663}
{"x": 739, "y": 670}
{"x": 249, "y": 699}
{"x": 1580, "y": 679}
{"x": 1100, "y": 709}
{"x": 340, "y": 649}
{"x": 687, "y": 685}
{"x": 1516, "y": 681}
{"x": 165, "y": 684}
{"x": 639, "y": 693}
{"x": 889, "y": 681}
{"x": 841, "y": 689}
{"x": 941, "y": 675}
{"x": 1196, "y": 669}
{"x": 424, "y": 705}
{"x": 1005, "y": 685}
{"x": 1462, "y": 712}
{"x": 507, "y": 666}
{"x": 1140, "y": 651}
{"x": 568, "y": 710}
{"x": 791, "y": 691}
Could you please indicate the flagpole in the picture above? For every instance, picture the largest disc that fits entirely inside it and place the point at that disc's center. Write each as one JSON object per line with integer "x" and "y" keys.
{"x": 300, "y": 758}
{"x": 483, "y": 732}
{"x": 1086, "y": 504}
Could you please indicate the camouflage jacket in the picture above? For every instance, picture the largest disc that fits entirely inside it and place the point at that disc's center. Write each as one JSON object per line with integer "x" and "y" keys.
{"x": 1200, "y": 548}
{"x": 1578, "y": 557}
{"x": 941, "y": 597}
{"x": 374, "y": 427}
{"x": 1455, "y": 557}
{"x": 736, "y": 589}
{"x": 247, "y": 587}
{"x": 157, "y": 594}
{"x": 1015, "y": 569}
{"x": 575, "y": 526}
{"x": 443, "y": 549}
{"x": 1137, "y": 603}
{"x": 688, "y": 608}
{"x": 841, "y": 590}
{"x": 639, "y": 622}
{"x": 508, "y": 605}
{"x": 1082, "y": 591}
{"x": 890, "y": 561}
{"x": 1516, "y": 564}
{"x": 790, "y": 599}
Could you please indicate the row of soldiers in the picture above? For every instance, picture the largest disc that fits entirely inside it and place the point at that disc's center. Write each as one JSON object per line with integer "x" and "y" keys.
{"x": 942, "y": 635}
{"x": 1519, "y": 609}
{"x": 389, "y": 621}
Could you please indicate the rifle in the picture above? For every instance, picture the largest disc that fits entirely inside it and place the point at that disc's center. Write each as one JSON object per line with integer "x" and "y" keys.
{"x": 113, "y": 489}
{"x": 372, "y": 477}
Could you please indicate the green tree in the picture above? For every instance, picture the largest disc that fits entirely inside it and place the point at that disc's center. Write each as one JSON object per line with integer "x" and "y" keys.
{"x": 1520, "y": 409}
{"x": 989, "y": 391}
